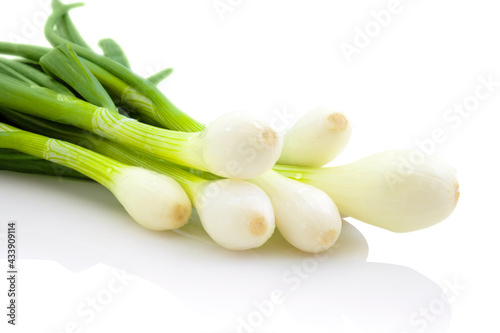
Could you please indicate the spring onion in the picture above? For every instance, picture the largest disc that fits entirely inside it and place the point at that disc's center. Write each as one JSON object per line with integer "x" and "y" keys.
{"x": 153, "y": 200}
{"x": 316, "y": 139}
{"x": 305, "y": 216}
{"x": 236, "y": 214}
{"x": 162, "y": 160}
{"x": 237, "y": 145}
{"x": 399, "y": 190}
{"x": 321, "y": 128}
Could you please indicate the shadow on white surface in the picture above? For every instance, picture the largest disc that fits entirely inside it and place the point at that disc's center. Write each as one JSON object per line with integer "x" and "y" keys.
{"x": 271, "y": 289}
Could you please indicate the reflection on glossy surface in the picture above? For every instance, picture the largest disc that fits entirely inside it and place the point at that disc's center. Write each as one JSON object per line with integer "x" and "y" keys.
{"x": 337, "y": 291}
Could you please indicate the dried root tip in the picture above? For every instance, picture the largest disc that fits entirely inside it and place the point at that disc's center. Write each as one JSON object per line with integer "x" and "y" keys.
{"x": 326, "y": 238}
{"x": 457, "y": 193}
{"x": 257, "y": 226}
{"x": 337, "y": 121}
{"x": 181, "y": 214}
{"x": 237, "y": 215}
{"x": 269, "y": 138}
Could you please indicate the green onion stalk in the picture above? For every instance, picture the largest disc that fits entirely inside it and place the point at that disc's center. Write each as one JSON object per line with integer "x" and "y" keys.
{"x": 236, "y": 214}
{"x": 153, "y": 200}
{"x": 234, "y": 145}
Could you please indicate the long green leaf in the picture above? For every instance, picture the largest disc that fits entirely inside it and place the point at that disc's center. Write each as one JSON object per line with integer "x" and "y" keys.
{"x": 65, "y": 64}
{"x": 31, "y": 52}
{"x": 35, "y": 76}
{"x": 111, "y": 49}
{"x": 67, "y": 28}
{"x": 4, "y": 69}
{"x": 166, "y": 113}
{"x": 160, "y": 76}
{"x": 122, "y": 91}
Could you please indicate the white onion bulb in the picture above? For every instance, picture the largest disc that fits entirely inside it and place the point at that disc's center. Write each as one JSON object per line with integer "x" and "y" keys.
{"x": 236, "y": 214}
{"x": 316, "y": 139}
{"x": 305, "y": 216}
{"x": 399, "y": 190}
{"x": 240, "y": 145}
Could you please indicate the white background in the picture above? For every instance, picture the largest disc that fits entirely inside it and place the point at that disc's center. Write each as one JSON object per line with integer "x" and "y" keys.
{"x": 269, "y": 57}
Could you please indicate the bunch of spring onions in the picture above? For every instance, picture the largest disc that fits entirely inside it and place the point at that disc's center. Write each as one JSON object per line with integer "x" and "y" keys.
{"x": 68, "y": 111}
